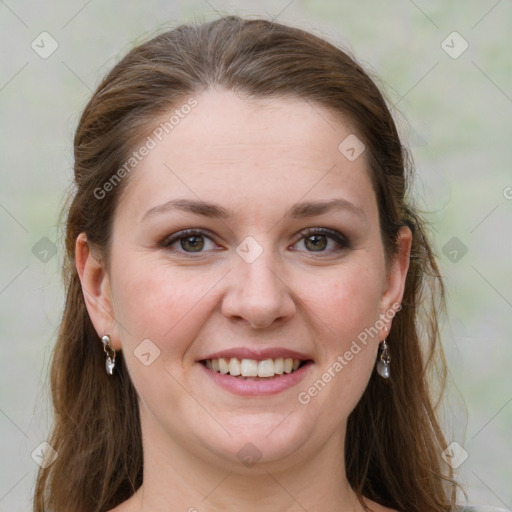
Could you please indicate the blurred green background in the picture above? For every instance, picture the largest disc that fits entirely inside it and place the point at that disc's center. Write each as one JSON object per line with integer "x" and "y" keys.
{"x": 454, "y": 108}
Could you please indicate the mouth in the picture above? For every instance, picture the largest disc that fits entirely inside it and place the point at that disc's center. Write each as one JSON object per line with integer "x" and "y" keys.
{"x": 255, "y": 369}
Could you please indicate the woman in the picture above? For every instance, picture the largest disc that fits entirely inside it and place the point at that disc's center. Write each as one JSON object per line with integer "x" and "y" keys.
{"x": 245, "y": 280}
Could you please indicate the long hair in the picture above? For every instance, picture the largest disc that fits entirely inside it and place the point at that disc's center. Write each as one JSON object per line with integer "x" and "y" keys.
{"x": 394, "y": 440}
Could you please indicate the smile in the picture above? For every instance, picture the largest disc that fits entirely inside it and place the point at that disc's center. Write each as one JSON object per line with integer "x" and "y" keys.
{"x": 256, "y": 375}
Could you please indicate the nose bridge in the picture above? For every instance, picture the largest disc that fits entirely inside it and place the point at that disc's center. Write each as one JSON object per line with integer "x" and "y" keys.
{"x": 261, "y": 275}
{"x": 257, "y": 292}
{"x": 258, "y": 260}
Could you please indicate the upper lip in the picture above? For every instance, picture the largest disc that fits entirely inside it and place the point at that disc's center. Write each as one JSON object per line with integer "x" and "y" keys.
{"x": 258, "y": 354}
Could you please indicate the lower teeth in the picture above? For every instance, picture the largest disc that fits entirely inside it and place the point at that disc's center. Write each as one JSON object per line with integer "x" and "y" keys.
{"x": 254, "y": 378}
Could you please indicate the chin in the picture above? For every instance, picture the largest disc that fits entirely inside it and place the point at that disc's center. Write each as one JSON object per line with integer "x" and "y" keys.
{"x": 263, "y": 439}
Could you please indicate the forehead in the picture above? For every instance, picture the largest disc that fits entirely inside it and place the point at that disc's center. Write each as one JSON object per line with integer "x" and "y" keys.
{"x": 248, "y": 152}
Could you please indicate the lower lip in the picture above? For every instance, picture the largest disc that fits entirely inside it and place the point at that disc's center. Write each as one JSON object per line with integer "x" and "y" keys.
{"x": 262, "y": 387}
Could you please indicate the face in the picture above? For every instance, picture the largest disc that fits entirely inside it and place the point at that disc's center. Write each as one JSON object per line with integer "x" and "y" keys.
{"x": 245, "y": 241}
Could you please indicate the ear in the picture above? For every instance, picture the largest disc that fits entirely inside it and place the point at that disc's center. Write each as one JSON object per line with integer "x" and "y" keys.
{"x": 96, "y": 290}
{"x": 396, "y": 276}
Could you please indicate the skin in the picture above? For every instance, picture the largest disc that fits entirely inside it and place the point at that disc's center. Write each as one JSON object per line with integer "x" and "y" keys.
{"x": 255, "y": 158}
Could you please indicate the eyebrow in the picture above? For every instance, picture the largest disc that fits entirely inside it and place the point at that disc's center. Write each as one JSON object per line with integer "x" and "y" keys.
{"x": 297, "y": 211}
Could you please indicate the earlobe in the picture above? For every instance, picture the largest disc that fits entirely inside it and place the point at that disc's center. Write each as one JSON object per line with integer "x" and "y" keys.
{"x": 96, "y": 290}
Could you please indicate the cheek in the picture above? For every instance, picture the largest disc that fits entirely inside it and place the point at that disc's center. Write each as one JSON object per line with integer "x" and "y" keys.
{"x": 168, "y": 307}
{"x": 346, "y": 301}
{"x": 346, "y": 308}
{"x": 161, "y": 313}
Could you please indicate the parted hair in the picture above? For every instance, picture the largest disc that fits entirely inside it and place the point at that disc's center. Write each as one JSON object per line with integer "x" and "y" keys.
{"x": 394, "y": 439}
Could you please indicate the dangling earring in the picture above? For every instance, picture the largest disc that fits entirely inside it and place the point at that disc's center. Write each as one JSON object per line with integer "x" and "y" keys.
{"x": 110, "y": 362}
{"x": 384, "y": 359}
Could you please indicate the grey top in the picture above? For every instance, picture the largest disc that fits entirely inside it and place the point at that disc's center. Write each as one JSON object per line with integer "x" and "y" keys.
{"x": 481, "y": 509}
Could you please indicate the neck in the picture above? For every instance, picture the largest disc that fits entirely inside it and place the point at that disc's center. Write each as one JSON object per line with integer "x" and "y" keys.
{"x": 191, "y": 483}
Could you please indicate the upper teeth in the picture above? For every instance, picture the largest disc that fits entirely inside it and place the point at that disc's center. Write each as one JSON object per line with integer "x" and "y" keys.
{"x": 253, "y": 367}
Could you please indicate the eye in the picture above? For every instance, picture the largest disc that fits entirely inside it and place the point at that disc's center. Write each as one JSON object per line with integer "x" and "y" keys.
{"x": 189, "y": 241}
{"x": 317, "y": 240}
{"x": 320, "y": 240}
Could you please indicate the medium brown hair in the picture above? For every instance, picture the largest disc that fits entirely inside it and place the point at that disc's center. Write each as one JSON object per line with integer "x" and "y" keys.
{"x": 394, "y": 439}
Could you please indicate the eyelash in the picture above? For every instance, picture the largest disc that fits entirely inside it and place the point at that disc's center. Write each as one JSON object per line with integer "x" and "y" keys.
{"x": 341, "y": 240}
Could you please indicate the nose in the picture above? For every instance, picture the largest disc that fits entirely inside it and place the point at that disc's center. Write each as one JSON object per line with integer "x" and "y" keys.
{"x": 258, "y": 294}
